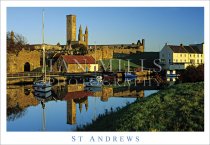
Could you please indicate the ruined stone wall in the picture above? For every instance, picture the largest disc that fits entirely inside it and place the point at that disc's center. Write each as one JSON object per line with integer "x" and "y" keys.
{"x": 101, "y": 53}
{"x": 15, "y": 63}
{"x": 106, "y": 52}
{"x": 47, "y": 47}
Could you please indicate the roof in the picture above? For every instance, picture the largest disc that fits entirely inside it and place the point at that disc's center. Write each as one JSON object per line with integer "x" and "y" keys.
{"x": 185, "y": 49}
{"x": 189, "y": 49}
{"x": 197, "y": 49}
{"x": 177, "y": 49}
{"x": 72, "y": 59}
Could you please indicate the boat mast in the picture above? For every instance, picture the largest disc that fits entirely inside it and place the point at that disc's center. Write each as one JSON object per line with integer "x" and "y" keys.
{"x": 43, "y": 116}
{"x": 43, "y": 46}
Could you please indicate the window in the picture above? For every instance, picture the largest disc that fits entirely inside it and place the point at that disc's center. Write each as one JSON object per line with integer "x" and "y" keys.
{"x": 180, "y": 60}
{"x": 185, "y": 55}
{"x": 190, "y": 55}
{"x": 192, "y": 61}
{"x": 180, "y": 55}
{"x": 169, "y": 55}
{"x": 197, "y": 61}
{"x": 197, "y": 55}
{"x": 201, "y": 61}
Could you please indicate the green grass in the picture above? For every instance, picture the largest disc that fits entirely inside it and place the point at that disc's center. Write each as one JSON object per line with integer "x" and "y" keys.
{"x": 178, "y": 108}
{"x": 115, "y": 64}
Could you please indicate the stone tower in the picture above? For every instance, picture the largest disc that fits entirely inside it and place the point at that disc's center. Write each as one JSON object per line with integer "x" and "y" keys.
{"x": 86, "y": 36}
{"x": 71, "y": 28}
{"x": 80, "y": 35}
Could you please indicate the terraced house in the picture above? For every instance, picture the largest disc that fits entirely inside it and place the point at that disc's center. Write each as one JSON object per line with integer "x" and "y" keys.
{"x": 178, "y": 57}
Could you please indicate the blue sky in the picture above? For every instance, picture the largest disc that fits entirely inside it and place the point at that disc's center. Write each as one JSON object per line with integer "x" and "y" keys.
{"x": 112, "y": 25}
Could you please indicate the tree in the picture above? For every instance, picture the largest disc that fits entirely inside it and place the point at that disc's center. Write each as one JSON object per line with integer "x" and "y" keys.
{"x": 79, "y": 49}
{"x": 193, "y": 74}
{"x": 16, "y": 42}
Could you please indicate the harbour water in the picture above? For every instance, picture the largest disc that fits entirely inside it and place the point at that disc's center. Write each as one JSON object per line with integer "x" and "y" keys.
{"x": 67, "y": 106}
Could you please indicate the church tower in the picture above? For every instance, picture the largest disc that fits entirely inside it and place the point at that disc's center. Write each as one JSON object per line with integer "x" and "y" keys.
{"x": 70, "y": 28}
{"x": 80, "y": 34}
{"x": 86, "y": 36}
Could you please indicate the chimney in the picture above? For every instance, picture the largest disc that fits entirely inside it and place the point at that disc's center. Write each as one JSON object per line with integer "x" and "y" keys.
{"x": 181, "y": 44}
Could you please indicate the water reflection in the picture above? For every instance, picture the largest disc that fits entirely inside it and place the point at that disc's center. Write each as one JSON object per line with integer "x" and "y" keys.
{"x": 66, "y": 106}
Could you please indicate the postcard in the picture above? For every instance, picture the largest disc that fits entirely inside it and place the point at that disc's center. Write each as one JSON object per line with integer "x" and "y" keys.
{"x": 105, "y": 73}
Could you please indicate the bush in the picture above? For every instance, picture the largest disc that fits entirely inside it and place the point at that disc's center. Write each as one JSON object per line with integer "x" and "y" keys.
{"x": 193, "y": 74}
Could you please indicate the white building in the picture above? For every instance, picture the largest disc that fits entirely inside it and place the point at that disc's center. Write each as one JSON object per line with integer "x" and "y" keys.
{"x": 178, "y": 57}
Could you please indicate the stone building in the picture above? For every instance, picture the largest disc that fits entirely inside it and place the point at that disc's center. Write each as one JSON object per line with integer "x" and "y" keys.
{"x": 24, "y": 61}
{"x": 102, "y": 52}
{"x": 75, "y": 64}
{"x": 101, "y": 49}
{"x": 71, "y": 28}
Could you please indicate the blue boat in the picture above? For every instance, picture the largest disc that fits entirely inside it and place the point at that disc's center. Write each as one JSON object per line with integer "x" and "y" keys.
{"x": 130, "y": 75}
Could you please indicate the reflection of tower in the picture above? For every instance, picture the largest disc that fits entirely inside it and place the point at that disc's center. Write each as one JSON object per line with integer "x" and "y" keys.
{"x": 71, "y": 112}
{"x": 80, "y": 107}
{"x": 71, "y": 28}
{"x": 85, "y": 102}
{"x": 141, "y": 93}
{"x": 43, "y": 116}
{"x": 86, "y": 105}
{"x": 106, "y": 93}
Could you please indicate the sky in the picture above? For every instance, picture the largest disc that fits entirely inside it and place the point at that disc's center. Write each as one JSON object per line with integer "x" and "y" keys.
{"x": 112, "y": 25}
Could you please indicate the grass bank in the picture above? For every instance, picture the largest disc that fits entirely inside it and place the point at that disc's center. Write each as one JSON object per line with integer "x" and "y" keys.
{"x": 177, "y": 108}
{"x": 115, "y": 64}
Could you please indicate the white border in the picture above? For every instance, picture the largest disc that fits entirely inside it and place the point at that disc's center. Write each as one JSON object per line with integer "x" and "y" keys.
{"x": 65, "y": 137}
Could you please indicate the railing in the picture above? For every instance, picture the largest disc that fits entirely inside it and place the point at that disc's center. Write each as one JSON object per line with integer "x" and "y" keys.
{"x": 31, "y": 74}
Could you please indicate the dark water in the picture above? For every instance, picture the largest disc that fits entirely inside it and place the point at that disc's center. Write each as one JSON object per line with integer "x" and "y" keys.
{"x": 66, "y": 107}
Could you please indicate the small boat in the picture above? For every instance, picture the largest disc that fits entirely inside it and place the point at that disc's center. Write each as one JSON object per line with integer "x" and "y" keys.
{"x": 41, "y": 95}
{"x": 130, "y": 75}
{"x": 43, "y": 85}
{"x": 93, "y": 82}
{"x": 93, "y": 89}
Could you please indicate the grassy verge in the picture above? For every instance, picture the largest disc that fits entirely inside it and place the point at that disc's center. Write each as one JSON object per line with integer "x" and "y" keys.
{"x": 115, "y": 65}
{"x": 177, "y": 108}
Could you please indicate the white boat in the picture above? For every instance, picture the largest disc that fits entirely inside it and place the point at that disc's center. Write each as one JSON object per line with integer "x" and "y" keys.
{"x": 93, "y": 82}
{"x": 43, "y": 94}
{"x": 43, "y": 85}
